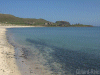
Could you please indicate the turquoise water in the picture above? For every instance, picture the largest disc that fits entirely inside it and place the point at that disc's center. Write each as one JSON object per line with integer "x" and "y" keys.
{"x": 64, "y": 49}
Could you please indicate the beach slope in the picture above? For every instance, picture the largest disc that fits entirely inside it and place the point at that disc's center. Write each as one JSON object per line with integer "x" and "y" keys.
{"x": 7, "y": 55}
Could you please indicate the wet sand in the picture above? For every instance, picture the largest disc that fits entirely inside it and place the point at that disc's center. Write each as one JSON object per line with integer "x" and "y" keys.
{"x": 10, "y": 61}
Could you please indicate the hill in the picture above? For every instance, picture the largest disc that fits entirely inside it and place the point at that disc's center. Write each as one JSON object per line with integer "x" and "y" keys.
{"x": 10, "y": 19}
{"x": 63, "y": 23}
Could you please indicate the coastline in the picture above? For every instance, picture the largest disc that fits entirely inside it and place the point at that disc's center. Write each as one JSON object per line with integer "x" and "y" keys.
{"x": 21, "y": 64}
{"x": 15, "y": 64}
{"x": 8, "y": 65}
{"x": 7, "y": 61}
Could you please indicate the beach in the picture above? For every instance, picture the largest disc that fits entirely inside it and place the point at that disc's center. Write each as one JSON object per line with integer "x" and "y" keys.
{"x": 38, "y": 51}
{"x": 7, "y": 54}
{"x": 7, "y": 61}
{"x": 10, "y": 61}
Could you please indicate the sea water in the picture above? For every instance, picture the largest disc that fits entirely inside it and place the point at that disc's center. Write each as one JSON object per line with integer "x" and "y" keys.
{"x": 63, "y": 50}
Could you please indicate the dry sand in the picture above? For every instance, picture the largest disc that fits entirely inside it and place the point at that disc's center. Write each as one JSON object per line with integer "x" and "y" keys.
{"x": 7, "y": 54}
{"x": 7, "y": 60}
{"x": 8, "y": 64}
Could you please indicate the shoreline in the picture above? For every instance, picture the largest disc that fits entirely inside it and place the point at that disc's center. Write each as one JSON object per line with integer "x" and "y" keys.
{"x": 7, "y": 55}
{"x": 15, "y": 64}
{"x": 8, "y": 64}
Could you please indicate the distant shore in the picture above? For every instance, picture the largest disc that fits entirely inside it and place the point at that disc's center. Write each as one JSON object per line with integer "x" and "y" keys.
{"x": 11, "y": 19}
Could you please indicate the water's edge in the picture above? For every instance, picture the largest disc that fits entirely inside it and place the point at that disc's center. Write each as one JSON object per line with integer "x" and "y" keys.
{"x": 22, "y": 60}
{"x": 19, "y": 56}
{"x": 46, "y": 59}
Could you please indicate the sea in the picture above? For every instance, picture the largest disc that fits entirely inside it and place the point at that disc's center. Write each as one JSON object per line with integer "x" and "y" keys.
{"x": 62, "y": 50}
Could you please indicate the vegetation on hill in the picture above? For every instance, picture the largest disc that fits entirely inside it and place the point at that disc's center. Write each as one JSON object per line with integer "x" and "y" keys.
{"x": 62, "y": 23}
{"x": 80, "y": 25}
{"x": 10, "y": 19}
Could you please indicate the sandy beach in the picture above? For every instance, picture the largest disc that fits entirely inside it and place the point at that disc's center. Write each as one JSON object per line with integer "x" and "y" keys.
{"x": 7, "y": 61}
{"x": 8, "y": 58}
{"x": 7, "y": 54}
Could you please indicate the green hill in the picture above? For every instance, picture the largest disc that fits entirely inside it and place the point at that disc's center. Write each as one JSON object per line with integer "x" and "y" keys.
{"x": 63, "y": 23}
{"x": 10, "y": 19}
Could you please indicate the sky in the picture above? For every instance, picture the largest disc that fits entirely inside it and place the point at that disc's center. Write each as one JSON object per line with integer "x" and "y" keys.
{"x": 73, "y": 11}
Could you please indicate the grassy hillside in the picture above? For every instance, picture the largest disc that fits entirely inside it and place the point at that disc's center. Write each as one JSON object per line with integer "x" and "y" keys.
{"x": 62, "y": 22}
{"x": 10, "y": 19}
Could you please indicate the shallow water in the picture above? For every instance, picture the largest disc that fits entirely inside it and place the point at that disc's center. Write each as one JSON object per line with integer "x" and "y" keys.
{"x": 61, "y": 50}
